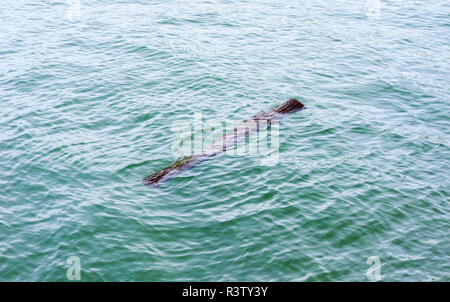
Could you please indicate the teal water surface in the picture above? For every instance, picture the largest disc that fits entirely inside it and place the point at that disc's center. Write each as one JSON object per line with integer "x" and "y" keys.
{"x": 89, "y": 95}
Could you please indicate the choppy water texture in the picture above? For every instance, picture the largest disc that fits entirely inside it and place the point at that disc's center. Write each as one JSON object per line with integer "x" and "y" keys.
{"x": 88, "y": 98}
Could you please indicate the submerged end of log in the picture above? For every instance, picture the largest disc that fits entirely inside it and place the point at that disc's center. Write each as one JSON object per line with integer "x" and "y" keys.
{"x": 156, "y": 178}
{"x": 181, "y": 164}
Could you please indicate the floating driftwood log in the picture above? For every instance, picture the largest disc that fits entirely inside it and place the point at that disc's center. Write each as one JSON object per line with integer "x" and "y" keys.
{"x": 228, "y": 141}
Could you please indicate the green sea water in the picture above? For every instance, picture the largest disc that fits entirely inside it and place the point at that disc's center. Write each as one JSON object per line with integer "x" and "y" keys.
{"x": 89, "y": 94}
